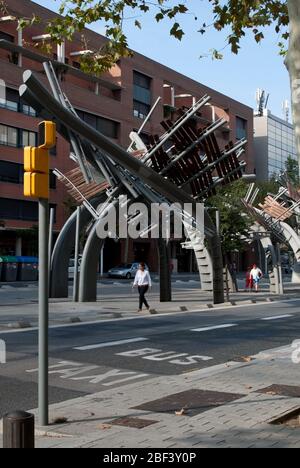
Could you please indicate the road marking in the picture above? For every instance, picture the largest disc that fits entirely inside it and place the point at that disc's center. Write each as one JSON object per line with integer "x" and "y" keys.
{"x": 109, "y": 343}
{"x": 148, "y": 317}
{"x": 277, "y": 317}
{"x": 217, "y": 327}
{"x": 71, "y": 370}
{"x": 153, "y": 354}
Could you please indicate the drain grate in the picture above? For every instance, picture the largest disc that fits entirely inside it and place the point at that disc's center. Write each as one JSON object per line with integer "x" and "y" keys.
{"x": 281, "y": 390}
{"x": 136, "y": 423}
{"x": 290, "y": 419}
{"x": 192, "y": 401}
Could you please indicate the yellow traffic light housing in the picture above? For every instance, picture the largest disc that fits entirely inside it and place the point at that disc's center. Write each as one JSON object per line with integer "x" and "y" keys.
{"x": 47, "y": 135}
{"x": 36, "y": 160}
{"x": 36, "y": 163}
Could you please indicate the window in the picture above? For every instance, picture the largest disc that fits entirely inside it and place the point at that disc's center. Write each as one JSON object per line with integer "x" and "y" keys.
{"x": 14, "y": 173}
{"x": 241, "y": 128}
{"x": 11, "y": 172}
{"x": 141, "y": 95}
{"x": 27, "y": 110}
{"x": 14, "y": 103}
{"x": 20, "y": 209}
{"x": 52, "y": 180}
{"x": 90, "y": 119}
{"x": 12, "y": 100}
{"x": 8, "y": 136}
{"x": 28, "y": 138}
{"x": 140, "y": 110}
{"x": 7, "y": 37}
{"x": 141, "y": 81}
{"x": 108, "y": 127}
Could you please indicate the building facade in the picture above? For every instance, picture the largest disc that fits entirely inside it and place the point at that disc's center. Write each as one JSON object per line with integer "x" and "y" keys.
{"x": 115, "y": 104}
{"x": 274, "y": 143}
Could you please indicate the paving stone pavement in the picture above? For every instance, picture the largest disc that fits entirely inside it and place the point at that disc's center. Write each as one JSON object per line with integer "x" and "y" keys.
{"x": 243, "y": 423}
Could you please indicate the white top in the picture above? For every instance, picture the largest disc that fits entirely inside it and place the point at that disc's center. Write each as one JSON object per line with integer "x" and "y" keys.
{"x": 256, "y": 273}
{"x": 142, "y": 278}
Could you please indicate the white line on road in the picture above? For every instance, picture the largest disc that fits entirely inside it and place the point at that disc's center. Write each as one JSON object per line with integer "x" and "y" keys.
{"x": 148, "y": 317}
{"x": 217, "y": 327}
{"x": 110, "y": 343}
{"x": 277, "y": 317}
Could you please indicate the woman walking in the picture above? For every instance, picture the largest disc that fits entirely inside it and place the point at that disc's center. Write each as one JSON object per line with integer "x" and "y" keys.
{"x": 143, "y": 282}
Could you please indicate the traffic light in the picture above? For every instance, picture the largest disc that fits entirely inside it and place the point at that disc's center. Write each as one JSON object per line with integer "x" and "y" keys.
{"x": 36, "y": 162}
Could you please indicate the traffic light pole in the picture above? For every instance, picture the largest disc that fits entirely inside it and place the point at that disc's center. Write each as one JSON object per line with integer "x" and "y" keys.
{"x": 43, "y": 311}
{"x": 36, "y": 185}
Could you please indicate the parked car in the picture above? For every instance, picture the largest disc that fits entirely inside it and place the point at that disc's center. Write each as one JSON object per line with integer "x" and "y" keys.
{"x": 125, "y": 270}
{"x": 72, "y": 267}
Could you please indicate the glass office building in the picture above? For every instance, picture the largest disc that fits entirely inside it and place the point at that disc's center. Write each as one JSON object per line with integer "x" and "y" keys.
{"x": 274, "y": 142}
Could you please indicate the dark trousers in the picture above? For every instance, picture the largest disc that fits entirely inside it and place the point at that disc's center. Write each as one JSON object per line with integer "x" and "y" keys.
{"x": 142, "y": 292}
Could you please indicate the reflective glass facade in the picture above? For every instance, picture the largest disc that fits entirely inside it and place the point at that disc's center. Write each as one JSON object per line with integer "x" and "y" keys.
{"x": 281, "y": 145}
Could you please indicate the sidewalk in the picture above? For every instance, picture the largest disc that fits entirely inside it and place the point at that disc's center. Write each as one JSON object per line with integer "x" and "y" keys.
{"x": 64, "y": 311}
{"x": 238, "y": 417}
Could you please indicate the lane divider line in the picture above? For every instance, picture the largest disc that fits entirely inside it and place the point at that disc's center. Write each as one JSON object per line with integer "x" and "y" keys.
{"x": 109, "y": 343}
{"x": 217, "y": 327}
{"x": 277, "y": 317}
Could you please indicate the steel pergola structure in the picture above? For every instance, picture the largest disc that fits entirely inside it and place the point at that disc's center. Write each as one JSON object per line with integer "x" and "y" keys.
{"x": 183, "y": 165}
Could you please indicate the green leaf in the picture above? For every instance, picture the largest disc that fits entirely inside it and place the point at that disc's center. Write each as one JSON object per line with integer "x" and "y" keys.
{"x": 176, "y": 31}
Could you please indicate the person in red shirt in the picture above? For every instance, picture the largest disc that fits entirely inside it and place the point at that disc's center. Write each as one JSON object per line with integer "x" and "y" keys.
{"x": 249, "y": 280}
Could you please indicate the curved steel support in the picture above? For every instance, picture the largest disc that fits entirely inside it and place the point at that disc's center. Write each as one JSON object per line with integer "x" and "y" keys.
{"x": 271, "y": 257}
{"x": 89, "y": 267}
{"x": 63, "y": 249}
{"x": 294, "y": 241}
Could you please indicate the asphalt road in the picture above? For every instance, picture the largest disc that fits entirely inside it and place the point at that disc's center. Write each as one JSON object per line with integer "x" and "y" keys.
{"x": 89, "y": 358}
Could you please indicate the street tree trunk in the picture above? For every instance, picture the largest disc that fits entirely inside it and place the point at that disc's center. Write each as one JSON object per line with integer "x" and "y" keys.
{"x": 215, "y": 250}
{"x": 293, "y": 65}
{"x": 164, "y": 270}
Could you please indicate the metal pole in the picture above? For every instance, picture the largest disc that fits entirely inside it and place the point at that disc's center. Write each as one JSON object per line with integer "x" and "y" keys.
{"x": 76, "y": 272}
{"x": 43, "y": 311}
{"x": 279, "y": 270}
{"x": 218, "y": 222}
{"x": 52, "y": 212}
{"x": 102, "y": 261}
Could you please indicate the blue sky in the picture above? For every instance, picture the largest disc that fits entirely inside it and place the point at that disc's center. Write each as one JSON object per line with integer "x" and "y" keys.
{"x": 237, "y": 76}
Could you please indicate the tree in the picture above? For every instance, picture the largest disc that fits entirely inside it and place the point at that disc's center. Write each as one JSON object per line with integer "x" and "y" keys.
{"x": 292, "y": 170}
{"x": 237, "y": 16}
{"x": 235, "y": 223}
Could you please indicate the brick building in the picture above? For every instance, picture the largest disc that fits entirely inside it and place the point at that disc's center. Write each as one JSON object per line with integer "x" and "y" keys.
{"x": 115, "y": 104}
